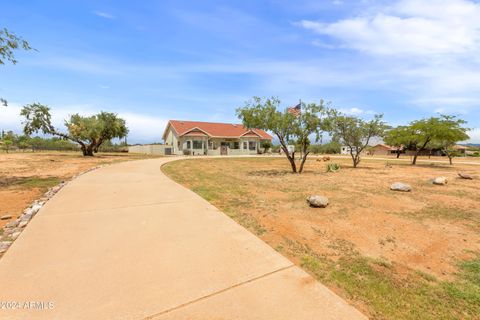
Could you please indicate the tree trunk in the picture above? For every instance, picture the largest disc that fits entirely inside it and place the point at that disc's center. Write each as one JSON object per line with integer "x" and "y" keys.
{"x": 398, "y": 154}
{"x": 450, "y": 159}
{"x": 291, "y": 158}
{"x": 355, "y": 158}
{"x": 87, "y": 150}
{"x": 292, "y": 162}
{"x": 414, "y": 161}
{"x": 356, "y": 161}
{"x": 303, "y": 162}
{"x": 97, "y": 145}
{"x": 90, "y": 149}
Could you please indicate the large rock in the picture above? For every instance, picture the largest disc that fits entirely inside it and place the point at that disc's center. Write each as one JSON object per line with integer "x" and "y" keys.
{"x": 23, "y": 223}
{"x": 15, "y": 235}
{"x": 317, "y": 201}
{"x": 464, "y": 175}
{"x": 12, "y": 224}
{"x": 6, "y": 217}
{"x": 399, "y": 186}
{"x": 26, "y": 217}
{"x": 33, "y": 209}
{"x": 440, "y": 181}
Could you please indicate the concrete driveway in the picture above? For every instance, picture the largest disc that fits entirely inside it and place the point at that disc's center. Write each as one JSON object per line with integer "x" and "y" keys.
{"x": 126, "y": 242}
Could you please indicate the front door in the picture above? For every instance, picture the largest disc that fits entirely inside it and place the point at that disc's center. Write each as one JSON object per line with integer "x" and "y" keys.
{"x": 223, "y": 150}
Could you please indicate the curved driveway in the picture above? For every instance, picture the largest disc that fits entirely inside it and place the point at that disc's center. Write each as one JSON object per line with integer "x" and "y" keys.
{"x": 126, "y": 242}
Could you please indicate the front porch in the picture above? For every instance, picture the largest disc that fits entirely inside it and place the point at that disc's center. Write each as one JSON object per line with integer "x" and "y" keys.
{"x": 204, "y": 145}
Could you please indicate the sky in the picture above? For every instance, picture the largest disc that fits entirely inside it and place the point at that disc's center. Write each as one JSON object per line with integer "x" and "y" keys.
{"x": 151, "y": 61}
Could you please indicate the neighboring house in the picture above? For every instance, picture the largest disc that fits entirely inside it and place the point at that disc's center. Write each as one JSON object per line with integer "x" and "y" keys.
{"x": 462, "y": 150}
{"x": 209, "y": 138}
{"x": 347, "y": 149}
{"x": 381, "y": 150}
{"x": 290, "y": 149}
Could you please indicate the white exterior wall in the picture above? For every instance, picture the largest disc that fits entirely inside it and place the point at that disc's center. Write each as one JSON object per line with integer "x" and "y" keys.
{"x": 172, "y": 140}
{"x": 149, "y": 149}
{"x": 346, "y": 150}
{"x": 179, "y": 144}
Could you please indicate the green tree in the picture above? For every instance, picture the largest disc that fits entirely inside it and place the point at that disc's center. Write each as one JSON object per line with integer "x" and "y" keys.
{"x": 7, "y": 144}
{"x": 23, "y": 142}
{"x": 89, "y": 132}
{"x": 356, "y": 133}
{"x": 9, "y": 42}
{"x": 266, "y": 145}
{"x": 265, "y": 114}
{"x": 420, "y": 135}
{"x": 331, "y": 147}
{"x": 450, "y": 130}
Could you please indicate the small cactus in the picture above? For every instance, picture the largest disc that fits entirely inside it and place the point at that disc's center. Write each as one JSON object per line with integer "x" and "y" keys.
{"x": 333, "y": 167}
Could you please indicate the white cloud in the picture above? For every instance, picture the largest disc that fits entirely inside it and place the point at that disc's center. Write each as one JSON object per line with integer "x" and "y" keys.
{"x": 354, "y": 111}
{"x": 144, "y": 128}
{"x": 474, "y": 135}
{"x": 409, "y": 27}
{"x": 105, "y": 15}
{"x": 428, "y": 50}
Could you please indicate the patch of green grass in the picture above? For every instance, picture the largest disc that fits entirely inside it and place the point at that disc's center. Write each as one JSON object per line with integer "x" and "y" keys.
{"x": 30, "y": 182}
{"x": 388, "y": 296}
{"x": 39, "y": 182}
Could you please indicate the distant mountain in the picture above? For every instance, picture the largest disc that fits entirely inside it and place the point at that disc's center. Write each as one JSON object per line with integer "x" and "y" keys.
{"x": 470, "y": 144}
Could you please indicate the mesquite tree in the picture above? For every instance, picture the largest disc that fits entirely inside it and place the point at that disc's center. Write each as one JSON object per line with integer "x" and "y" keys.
{"x": 310, "y": 121}
{"x": 89, "y": 132}
{"x": 436, "y": 132}
{"x": 8, "y": 43}
{"x": 356, "y": 133}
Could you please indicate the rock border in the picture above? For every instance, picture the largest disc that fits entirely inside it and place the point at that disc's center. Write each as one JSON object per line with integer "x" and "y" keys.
{"x": 14, "y": 228}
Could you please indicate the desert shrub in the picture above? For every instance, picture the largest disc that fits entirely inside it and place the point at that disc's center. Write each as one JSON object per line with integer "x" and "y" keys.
{"x": 332, "y": 167}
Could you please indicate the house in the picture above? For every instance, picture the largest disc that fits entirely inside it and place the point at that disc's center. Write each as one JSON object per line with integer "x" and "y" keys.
{"x": 347, "y": 149}
{"x": 210, "y": 138}
{"x": 461, "y": 150}
{"x": 382, "y": 150}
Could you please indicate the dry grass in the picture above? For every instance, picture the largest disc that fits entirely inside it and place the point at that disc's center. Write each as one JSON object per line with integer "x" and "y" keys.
{"x": 25, "y": 176}
{"x": 393, "y": 255}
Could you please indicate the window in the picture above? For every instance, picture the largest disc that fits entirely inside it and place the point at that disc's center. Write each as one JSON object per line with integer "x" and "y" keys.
{"x": 236, "y": 145}
{"x": 197, "y": 144}
{"x": 245, "y": 145}
{"x": 188, "y": 145}
{"x": 252, "y": 145}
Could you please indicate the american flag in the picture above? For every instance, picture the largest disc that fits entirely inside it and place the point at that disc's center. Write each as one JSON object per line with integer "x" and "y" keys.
{"x": 295, "y": 110}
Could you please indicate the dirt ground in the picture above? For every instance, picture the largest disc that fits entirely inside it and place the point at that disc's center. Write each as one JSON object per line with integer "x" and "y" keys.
{"x": 25, "y": 176}
{"x": 428, "y": 230}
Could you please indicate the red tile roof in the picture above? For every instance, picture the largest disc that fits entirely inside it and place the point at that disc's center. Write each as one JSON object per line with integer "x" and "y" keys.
{"x": 213, "y": 129}
{"x": 384, "y": 146}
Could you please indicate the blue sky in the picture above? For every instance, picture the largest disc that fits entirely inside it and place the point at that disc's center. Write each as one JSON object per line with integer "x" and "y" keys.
{"x": 151, "y": 61}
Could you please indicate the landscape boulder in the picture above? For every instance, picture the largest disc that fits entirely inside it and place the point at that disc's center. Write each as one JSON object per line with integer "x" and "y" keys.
{"x": 6, "y": 217}
{"x": 440, "y": 181}
{"x": 15, "y": 235}
{"x": 11, "y": 224}
{"x": 317, "y": 201}
{"x": 33, "y": 209}
{"x": 464, "y": 175}
{"x": 399, "y": 186}
{"x": 23, "y": 223}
